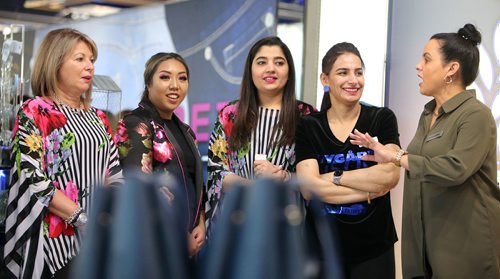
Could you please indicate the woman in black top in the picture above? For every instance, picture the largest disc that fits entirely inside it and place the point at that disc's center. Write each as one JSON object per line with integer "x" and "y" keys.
{"x": 154, "y": 139}
{"x": 354, "y": 192}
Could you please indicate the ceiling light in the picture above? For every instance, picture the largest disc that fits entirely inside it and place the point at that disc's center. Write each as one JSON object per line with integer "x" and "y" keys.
{"x": 90, "y": 10}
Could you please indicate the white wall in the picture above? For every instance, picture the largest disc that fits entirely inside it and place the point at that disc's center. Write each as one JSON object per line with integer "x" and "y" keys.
{"x": 292, "y": 35}
{"x": 363, "y": 23}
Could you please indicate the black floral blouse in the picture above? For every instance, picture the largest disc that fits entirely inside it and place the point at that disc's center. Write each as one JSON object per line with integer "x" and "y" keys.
{"x": 145, "y": 142}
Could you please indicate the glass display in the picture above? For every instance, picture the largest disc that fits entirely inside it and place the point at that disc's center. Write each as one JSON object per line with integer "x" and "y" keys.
{"x": 107, "y": 96}
{"x": 11, "y": 77}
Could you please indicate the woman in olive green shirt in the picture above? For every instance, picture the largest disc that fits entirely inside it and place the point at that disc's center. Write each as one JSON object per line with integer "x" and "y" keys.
{"x": 451, "y": 204}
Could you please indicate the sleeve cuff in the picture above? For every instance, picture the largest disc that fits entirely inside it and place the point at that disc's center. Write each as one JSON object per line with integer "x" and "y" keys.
{"x": 45, "y": 200}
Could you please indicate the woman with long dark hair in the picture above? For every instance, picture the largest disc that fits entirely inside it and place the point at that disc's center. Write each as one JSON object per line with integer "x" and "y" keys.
{"x": 255, "y": 135}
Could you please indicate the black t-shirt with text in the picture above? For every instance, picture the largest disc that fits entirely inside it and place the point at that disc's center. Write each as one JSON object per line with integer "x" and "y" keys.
{"x": 366, "y": 230}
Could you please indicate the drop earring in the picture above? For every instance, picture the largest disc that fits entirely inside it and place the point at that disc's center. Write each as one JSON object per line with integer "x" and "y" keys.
{"x": 326, "y": 88}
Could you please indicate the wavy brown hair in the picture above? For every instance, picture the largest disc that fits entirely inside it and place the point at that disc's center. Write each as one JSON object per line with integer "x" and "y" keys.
{"x": 248, "y": 107}
{"x": 54, "y": 48}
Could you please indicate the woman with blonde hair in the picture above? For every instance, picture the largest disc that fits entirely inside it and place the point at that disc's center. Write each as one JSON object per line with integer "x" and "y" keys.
{"x": 62, "y": 149}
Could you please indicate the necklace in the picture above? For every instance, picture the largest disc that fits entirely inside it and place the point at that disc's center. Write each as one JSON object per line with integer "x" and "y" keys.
{"x": 74, "y": 110}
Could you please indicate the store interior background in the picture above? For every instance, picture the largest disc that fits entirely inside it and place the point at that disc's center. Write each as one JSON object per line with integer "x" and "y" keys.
{"x": 389, "y": 33}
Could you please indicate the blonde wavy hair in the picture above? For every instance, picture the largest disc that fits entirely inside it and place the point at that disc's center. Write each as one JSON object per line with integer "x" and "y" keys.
{"x": 54, "y": 48}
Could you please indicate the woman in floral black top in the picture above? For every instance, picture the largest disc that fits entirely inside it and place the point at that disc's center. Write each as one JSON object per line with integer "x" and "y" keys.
{"x": 154, "y": 139}
{"x": 255, "y": 135}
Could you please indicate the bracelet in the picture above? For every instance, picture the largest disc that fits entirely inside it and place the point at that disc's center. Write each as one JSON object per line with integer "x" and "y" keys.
{"x": 72, "y": 218}
{"x": 76, "y": 218}
{"x": 399, "y": 155}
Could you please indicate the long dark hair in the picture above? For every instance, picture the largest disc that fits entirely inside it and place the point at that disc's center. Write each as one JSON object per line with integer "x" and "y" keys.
{"x": 152, "y": 65}
{"x": 327, "y": 63}
{"x": 462, "y": 47}
{"x": 248, "y": 107}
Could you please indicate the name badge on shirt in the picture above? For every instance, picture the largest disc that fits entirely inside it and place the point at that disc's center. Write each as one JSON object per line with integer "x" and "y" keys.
{"x": 434, "y": 136}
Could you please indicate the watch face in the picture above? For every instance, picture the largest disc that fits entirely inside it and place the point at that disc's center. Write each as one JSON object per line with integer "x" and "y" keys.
{"x": 336, "y": 176}
{"x": 82, "y": 220}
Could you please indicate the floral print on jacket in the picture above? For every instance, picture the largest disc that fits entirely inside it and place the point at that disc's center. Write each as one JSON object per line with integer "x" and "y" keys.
{"x": 143, "y": 142}
{"x": 47, "y": 140}
{"x": 153, "y": 149}
{"x": 53, "y": 147}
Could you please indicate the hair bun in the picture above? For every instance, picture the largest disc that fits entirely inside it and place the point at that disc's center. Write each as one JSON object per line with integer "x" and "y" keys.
{"x": 470, "y": 34}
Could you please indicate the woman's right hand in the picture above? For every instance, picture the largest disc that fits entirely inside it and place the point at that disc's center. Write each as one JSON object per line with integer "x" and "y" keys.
{"x": 382, "y": 153}
{"x": 264, "y": 168}
{"x": 192, "y": 245}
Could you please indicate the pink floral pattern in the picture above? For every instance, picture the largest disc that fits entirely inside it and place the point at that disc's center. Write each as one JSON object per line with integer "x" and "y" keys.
{"x": 228, "y": 116}
{"x": 56, "y": 224}
{"x": 45, "y": 116}
{"x": 50, "y": 159}
{"x": 121, "y": 132}
{"x": 142, "y": 129}
{"x": 162, "y": 151}
{"x": 105, "y": 121}
{"x": 147, "y": 144}
{"x": 53, "y": 146}
{"x": 143, "y": 142}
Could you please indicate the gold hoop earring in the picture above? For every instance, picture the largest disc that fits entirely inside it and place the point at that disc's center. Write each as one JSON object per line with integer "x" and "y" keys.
{"x": 448, "y": 79}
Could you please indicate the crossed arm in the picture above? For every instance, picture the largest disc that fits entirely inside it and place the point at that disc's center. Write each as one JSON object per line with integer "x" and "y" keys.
{"x": 355, "y": 186}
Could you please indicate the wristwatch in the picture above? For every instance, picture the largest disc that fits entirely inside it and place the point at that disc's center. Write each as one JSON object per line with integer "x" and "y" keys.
{"x": 336, "y": 176}
{"x": 81, "y": 220}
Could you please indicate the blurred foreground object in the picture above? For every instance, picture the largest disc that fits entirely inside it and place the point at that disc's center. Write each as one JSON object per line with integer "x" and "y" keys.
{"x": 133, "y": 232}
{"x": 260, "y": 234}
